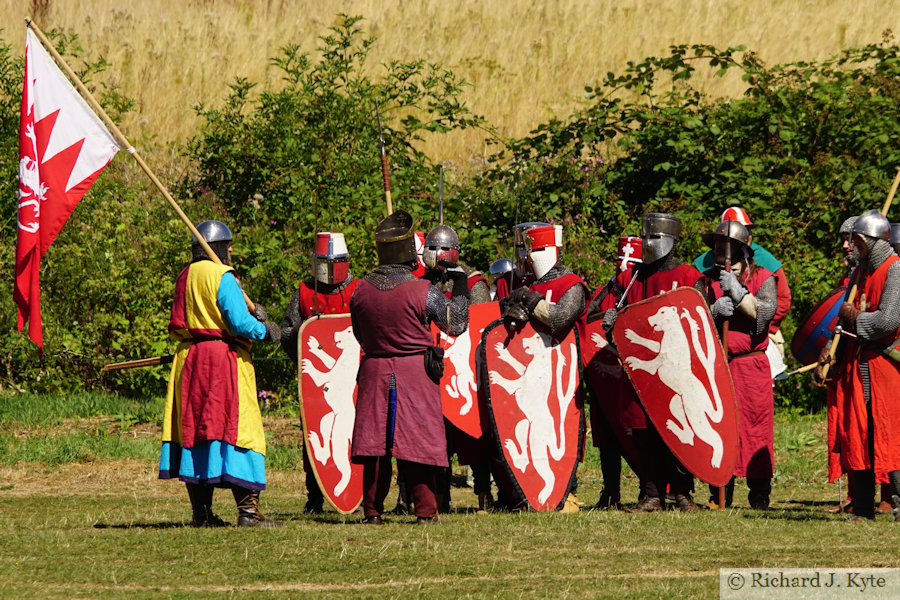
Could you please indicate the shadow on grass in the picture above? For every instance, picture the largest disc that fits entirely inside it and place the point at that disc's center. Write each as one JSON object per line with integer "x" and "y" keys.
{"x": 788, "y": 514}
{"x": 164, "y": 525}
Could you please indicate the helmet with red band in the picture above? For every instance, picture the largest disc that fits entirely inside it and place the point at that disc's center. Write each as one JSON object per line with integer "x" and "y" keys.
{"x": 441, "y": 244}
{"x": 629, "y": 252}
{"x": 544, "y": 247}
{"x": 331, "y": 261}
{"x": 736, "y": 213}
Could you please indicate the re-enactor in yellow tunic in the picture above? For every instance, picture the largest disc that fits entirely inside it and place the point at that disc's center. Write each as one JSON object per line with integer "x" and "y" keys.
{"x": 212, "y": 427}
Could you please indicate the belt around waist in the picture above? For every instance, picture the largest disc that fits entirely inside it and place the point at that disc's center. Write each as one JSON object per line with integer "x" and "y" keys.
{"x": 398, "y": 355}
{"x": 746, "y": 354}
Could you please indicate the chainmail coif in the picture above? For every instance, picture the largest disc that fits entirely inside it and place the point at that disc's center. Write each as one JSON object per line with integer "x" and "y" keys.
{"x": 884, "y": 321}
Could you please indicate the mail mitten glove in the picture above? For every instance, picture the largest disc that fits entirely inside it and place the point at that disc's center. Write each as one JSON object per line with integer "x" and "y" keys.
{"x": 731, "y": 286}
{"x": 609, "y": 319}
{"x": 722, "y": 308}
{"x": 259, "y": 311}
{"x": 273, "y": 333}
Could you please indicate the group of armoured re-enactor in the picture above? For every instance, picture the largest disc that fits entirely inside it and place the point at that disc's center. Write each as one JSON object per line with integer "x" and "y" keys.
{"x": 213, "y": 434}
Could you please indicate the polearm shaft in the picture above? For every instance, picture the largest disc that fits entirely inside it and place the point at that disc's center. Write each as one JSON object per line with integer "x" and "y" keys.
{"x": 441, "y": 197}
{"x": 852, "y": 295}
{"x": 720, "y": 491}
{"x": 125, "y": 143}
{"x": 137, "y": 364}
{"x": 384, "y": 164}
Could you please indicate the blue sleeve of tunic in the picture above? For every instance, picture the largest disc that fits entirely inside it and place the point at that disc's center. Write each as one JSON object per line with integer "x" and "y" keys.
{"x": 231, "y": 301}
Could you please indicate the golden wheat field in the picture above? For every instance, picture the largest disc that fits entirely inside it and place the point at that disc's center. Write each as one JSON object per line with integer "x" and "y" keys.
{"x": 527, "y": 60}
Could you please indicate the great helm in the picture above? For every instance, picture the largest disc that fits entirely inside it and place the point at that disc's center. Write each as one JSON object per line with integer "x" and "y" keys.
{"x": 441, "y": 243}
{"x": 519, "y": 240}
{"x": 217, "y": 236}
{"x": 544, "y": 247}
{"x": 331, "y": 260}
{"x": 659, "y": 232}
{"x": 873, "y": 224}
{"x": 395, "y": 240}
{"x": 629, "y": 252}
{"x": 729, "y": 241}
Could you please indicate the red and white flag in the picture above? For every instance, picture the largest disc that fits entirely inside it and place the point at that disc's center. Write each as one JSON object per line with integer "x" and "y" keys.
{"x": 63, "y": 147}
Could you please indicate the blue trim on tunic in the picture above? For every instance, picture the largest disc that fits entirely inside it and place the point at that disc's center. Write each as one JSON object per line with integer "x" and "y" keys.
{"x": 240, "y": 322}
{"x": 213, "y": 463}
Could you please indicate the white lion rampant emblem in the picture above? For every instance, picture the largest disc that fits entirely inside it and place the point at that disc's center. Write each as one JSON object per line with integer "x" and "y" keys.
{"x": 336, "y": 427}
{"x": 692, "y": 408}
{"x": 462, "y": 384}
{"x": 538, "y": 438}
{"x": 31, "y": 191}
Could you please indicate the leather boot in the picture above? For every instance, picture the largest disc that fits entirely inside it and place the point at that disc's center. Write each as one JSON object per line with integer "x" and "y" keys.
{"x": 248, "y": 509}
{"x": 685, "y": 503}
{"x": 201, "y": 506}
{"x": 485, "y": 503}
{"x": 608, "y": 501}
{"x": 647, "y": 504}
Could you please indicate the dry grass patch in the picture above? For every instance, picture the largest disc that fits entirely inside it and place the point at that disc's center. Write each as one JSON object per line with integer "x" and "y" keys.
{"x": 528, "y": 61}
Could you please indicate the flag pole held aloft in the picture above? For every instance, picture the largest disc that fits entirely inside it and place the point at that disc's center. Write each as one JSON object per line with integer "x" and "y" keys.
{"x": 125, "y": 143}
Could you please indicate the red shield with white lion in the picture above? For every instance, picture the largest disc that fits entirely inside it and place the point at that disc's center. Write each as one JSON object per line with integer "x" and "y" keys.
{"x": 535, "y": 407}
{"x": 675, "y": 361}
{"x": 460, "y": 396}
{"x": 328, "y": 359}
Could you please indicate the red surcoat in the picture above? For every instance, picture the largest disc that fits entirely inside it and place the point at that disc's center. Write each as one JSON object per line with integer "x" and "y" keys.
{"x": 884, "y": 377}
{"x": 312, "y": 301}
{"x": 752, "y": 378}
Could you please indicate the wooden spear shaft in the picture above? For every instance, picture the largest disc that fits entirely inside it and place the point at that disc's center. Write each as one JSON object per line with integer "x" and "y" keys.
{"x": 385, "y": 173}
{"x": 123, "y": 141}
{"x": 852, "y": 295}
{"x": 725, "y": 324}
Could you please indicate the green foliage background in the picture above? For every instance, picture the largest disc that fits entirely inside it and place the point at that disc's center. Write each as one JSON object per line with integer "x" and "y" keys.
{"x": 808, "y": 145}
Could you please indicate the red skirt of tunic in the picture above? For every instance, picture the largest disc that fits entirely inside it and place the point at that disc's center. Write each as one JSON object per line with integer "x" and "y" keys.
{"x": 853, "y": 427}
{"x": 419, "y": 434}
{"x": 756, "y": 405}
{"x": 836, "y": 465}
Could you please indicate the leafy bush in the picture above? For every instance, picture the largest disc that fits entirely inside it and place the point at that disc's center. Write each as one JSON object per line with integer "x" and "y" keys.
{"x": 807, "y": 146}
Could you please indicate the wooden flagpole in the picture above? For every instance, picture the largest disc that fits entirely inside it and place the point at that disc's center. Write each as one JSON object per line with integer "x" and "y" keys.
{"x": 852, "y": 295}
{"x": 123, "y": 141}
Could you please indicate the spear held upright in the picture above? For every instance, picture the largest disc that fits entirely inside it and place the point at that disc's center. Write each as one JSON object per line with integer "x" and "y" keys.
{"x": 384, "y": 164}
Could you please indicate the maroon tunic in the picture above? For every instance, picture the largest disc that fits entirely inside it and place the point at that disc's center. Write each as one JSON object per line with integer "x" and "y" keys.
{"x": 390, "y": 329}
{"x": 752, "y": 385}
{"x": 633, "y": 415}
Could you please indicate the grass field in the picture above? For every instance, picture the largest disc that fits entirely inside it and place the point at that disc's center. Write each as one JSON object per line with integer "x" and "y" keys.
{"x": 97, "y": 523}
{"x": 527, "y": 61}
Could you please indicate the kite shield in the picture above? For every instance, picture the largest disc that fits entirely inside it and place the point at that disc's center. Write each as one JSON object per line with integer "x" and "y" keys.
{"x": 460, "y": 384}
{"x": 535, "y": 409}
{"x": 676, "y": 363}
{"x": 328, "y": 359}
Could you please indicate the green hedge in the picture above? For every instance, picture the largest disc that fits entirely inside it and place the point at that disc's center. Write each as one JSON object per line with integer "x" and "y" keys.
{"x": 807, "y": 145}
